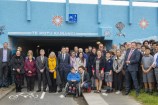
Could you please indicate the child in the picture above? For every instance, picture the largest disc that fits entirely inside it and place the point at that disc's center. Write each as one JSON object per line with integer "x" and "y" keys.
{"x": 108, "y": 71}
{"x": 73, "y": 79}
{"x": 118, "y": 63}
{"x": 148, "y": 75}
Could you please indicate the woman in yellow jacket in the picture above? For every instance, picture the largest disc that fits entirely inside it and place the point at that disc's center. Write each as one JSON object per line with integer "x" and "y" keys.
{"x": 52, "y": 66}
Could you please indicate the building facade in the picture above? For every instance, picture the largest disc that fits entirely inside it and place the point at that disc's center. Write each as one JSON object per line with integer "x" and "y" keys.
{"x": 33, "y": 23}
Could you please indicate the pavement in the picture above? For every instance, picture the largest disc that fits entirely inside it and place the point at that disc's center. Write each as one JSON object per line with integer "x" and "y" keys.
{"x": 109, "y": 99}
{"x": 38, "y": 98}
{"x": 8, "y": 96}
{"x": 5, "y": 91}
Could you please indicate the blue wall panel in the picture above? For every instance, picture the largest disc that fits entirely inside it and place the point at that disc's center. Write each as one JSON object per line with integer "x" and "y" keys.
{"x": 14, "y": 16}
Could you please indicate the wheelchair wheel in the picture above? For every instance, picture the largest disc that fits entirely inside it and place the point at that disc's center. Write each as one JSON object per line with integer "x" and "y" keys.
{"x": 79, "y": 90}
{"x": 66, "y": 89}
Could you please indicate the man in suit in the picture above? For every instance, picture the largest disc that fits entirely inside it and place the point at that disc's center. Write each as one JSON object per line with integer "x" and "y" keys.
{"x": 41, "y": 64}
{"x": 132, "y": 59}
{"x": 5, "y": 57}
{"x": 76, "y": 51}
{"x": 64, "y": 67}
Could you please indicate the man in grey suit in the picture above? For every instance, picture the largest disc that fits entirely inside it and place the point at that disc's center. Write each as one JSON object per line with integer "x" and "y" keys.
{"x": 41, "y": 64}
{"x": 64, "y": 67}
{"x": 5, "y": 57}
{"x": 131, "y": 65}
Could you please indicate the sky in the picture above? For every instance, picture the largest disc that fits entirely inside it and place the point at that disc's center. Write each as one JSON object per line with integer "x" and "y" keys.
{"x": 104, "y": 2}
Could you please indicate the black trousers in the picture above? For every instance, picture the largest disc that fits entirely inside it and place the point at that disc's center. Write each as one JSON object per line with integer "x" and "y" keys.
{"x": 10, "y": 79}
{"x": 4, "y": 74}
{"x": 118, "y": 80}
{"x": 42, "y": 78}
{"x": 63, "y": 75}
{"x": 131, "y": 75}
{"x": 140, "y": 77}
{"x": 18, "y": 81}
{"x": 90, "y": 71}
{"x": 30, "y": 82}
{"x": 53, "y": 86}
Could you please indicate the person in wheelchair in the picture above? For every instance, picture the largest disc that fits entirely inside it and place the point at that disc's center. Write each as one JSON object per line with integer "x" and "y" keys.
{"x": 73, "y": 79}
{"x": 85, "y": 79}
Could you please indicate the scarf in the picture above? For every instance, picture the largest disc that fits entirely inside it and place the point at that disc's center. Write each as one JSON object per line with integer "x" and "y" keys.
{"x": 52, "y": 65}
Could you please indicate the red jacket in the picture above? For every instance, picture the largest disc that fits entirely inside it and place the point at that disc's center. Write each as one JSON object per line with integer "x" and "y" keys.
{"x": 30, "y": 66}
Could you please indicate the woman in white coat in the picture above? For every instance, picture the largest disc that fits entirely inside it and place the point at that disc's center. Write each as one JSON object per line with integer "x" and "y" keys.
{"x": 80, "y": 61}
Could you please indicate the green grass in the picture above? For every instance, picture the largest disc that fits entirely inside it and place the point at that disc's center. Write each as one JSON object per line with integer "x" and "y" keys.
{"x": 145, "y": 98}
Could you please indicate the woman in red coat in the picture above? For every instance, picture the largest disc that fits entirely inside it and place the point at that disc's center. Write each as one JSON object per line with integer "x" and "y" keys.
{"x": 30, "y": 71}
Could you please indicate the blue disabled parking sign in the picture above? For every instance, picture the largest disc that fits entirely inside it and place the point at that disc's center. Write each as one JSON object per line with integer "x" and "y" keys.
{"x": 73, "y": 18}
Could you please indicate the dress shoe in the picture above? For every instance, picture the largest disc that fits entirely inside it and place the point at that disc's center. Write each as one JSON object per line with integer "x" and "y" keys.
{"x": 50, "y": 91}
{"x": 126, "y": 93}
{"x": 38, "y": 91}
{"x": 60, "y": 90}
{"x": 54, "y": 91}
{"x": 137, "y": 94}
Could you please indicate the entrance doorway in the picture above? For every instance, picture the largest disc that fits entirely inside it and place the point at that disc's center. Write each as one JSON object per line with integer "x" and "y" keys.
{"x": 53, "y": 43}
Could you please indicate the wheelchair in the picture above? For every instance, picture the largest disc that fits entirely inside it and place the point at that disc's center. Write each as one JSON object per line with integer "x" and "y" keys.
{"x": 77, "y": 91}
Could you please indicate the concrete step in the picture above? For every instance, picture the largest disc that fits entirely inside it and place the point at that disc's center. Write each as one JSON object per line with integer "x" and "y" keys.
{"x": 109, "y": 99}
{"x": 94, "y": 99}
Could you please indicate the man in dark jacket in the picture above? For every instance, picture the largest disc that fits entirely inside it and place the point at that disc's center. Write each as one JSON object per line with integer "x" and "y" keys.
{"x": 5, "y": 57}
{"x": 42, "y": 66}
{"x": 132, "y": 60}
{"x": 64, "y": 67}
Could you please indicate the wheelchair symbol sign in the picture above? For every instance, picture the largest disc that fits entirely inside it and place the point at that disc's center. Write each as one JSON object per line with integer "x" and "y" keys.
{"x": 73, "y": 18}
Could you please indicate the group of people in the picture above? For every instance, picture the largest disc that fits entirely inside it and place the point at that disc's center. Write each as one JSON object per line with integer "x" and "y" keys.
{"x": 130, "y": 64}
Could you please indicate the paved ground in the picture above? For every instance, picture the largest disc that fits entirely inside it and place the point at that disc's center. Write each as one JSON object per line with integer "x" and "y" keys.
{"x": 109, "y": 99}
{"x": 113, "y": 99}
{"x": 41, "y": 98}
{"x": 5, "y": 91}
{"x": 45, "y": 98}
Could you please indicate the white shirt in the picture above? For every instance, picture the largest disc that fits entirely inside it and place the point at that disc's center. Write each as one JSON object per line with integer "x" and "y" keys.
{"x": 63, "y": 56}
{"x": 155, "y": 57}
{"x": 4, "y": 55}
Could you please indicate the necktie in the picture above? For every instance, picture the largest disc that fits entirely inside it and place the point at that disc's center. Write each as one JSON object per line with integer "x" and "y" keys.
{"x": 129, "y": 56}
{"x": 117, "y": 64}
{"x": 63, "y": 56}
{"x": 42, "y": 58}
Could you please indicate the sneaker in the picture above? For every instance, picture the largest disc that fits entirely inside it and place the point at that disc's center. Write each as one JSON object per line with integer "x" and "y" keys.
{"x": 111, "y": 90}
{"x": 38, "y": 91}
{"x": 108, "y": 91}
{"x": 59, "y": 90}
{"x": 146, "y": 91}
{"x": 118, "y": 92}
